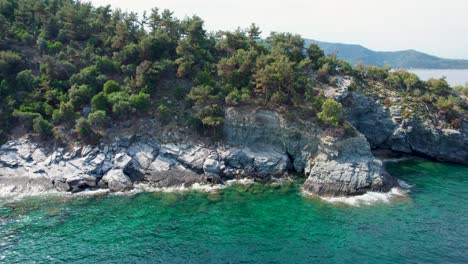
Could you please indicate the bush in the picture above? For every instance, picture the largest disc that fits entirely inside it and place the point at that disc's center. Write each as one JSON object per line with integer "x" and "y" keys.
{"x": 100, "y": 102}
{"x": 121, "y": 106}
{"x": 111, "y": 86}
{"x": 141, "y": 101}
{"x": 332, "y": 113}
{"x": 54, "y": 47}
{"x": 87, "y": 76}
{"x": 238, "y": 96}
{"x": 66, "y": 113}
{"x": 83, "y": 127}
{"x": 106, "y": 66}
{"x": 165, "y": 113}
{"x": 445, "y": 104}
{"x": 80, "y": 95}
{"x": 25, "y": 118}
{"x": 43, "y": 127}
{"x": 27, "y": 39}
{"x": 438, "y": 86}
{"x": 98, "y": 119}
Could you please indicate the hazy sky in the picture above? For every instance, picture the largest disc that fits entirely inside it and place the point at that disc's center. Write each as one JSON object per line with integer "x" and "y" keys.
{"x": 438, "y": 27}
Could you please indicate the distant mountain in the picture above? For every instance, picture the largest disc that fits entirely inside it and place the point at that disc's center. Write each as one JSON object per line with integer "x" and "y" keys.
{"x": 407, "y": 59}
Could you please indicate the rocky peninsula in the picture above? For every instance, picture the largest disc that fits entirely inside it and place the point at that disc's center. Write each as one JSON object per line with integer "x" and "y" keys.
{"x": 98, "y": 99}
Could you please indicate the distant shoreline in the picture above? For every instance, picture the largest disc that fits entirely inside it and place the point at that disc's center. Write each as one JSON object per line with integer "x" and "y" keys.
{"x": 454, "y": 76}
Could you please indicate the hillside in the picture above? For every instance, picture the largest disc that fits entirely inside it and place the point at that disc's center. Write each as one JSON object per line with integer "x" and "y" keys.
{"x": 407, "y": 59}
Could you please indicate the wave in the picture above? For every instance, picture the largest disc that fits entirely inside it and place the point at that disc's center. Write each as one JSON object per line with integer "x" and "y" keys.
{"x": 200, "y": 187}
{"x": 369, "y": 198}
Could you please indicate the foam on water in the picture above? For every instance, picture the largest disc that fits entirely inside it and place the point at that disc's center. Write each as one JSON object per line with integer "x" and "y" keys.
{"x": 8, "y": 191}
{"x": 369, "y": 198}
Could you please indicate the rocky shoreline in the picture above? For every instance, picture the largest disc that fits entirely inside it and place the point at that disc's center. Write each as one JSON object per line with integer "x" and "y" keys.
{"x": 385, "y": 128}
{"x": 257, "y": 144}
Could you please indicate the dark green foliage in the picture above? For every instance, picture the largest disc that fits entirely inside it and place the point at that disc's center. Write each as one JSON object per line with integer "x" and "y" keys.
{"x": 98, "y": 119}
{"x": 287, "y": 44}
{"x": 80, "y": 95}
{"x": 26, "y": 81}
{"x": 237, "y": 96}
{"x": 100, "y": 102}
{"x": 54, "y": 47}
{"x": 316, "y": 55}
{"x": 87, "y": 76}
{"x": 106, "y": 66}
{"x": 25, "y": 119}
{"x": 164, "y": 113}
{"x": 42, "y": 127}
{"x": 121, "y": 105}
{"x": 66, "y": 113}
{"x": 140, "y": 101}
{"x": 275, "y": 75}
{"x": 111, "y": 86}
{"x": 10, "y": 64}
{"x": 60, "y": 56}
{"x": 149, "y": 73}
{"x": 83, "y": 128}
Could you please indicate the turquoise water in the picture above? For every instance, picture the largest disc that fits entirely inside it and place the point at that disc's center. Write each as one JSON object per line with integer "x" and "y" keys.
{"x": 246, "y": 224}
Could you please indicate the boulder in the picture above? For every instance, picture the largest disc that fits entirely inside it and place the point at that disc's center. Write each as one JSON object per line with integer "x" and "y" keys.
{"x": 211, "y": 167}
{"x": 117, "y": 181}
{"x": 346, "y": 167}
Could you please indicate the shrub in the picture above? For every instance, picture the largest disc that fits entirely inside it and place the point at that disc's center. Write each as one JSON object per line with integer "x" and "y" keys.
{"x": 25, "y": 118}
{"x": 141, "y": 101}
{"x": 332, "y": 113}
{"x": 445, "y": 104}
{"x": 438, "y": 86}
{"x": 165, "y": 113}
{"x": 106, "y": 66}
{"x": 83, "y": 127}
{"x": 43, "y": 127}
{"x": 98, "y": 119}
{"x": 123, "y": 109}
{"x": 27, "y": 39}
{"x": 80, "y": 95}
{"x": 111, "y": 86}
{"x": 65, "y": 113}
{"x": 100, "y": 102}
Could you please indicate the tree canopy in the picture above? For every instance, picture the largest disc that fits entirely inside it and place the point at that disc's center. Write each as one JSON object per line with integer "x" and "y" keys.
{"x": 74, "y": 64}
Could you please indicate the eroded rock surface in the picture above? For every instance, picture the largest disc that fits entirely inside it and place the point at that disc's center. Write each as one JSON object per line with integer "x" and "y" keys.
{"x": 385, "y": 128}
{"x": 259, "y": 143}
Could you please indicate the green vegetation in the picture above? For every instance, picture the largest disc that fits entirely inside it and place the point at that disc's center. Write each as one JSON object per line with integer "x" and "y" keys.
{"x": 431, "y": 100}
{"x": 332, "y": 113}
{"x": 76, "y": 65}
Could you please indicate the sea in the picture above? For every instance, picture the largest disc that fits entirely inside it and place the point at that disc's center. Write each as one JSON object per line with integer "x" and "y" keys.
{"x": 427, "y": 222}
{"x": 454, "y": 77}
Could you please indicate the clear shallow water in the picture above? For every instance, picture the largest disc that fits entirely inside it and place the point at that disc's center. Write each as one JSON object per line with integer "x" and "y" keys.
{"x": 454, "y": 77}
{"x": 246, "y": 224}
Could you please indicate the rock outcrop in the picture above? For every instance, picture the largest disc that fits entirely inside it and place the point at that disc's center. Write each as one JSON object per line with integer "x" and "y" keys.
{"x": 346, "y": 167}
{"x": 384, "y": 128}
{"x": 259, "y": 143}
{"x": 333, "y": 167}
